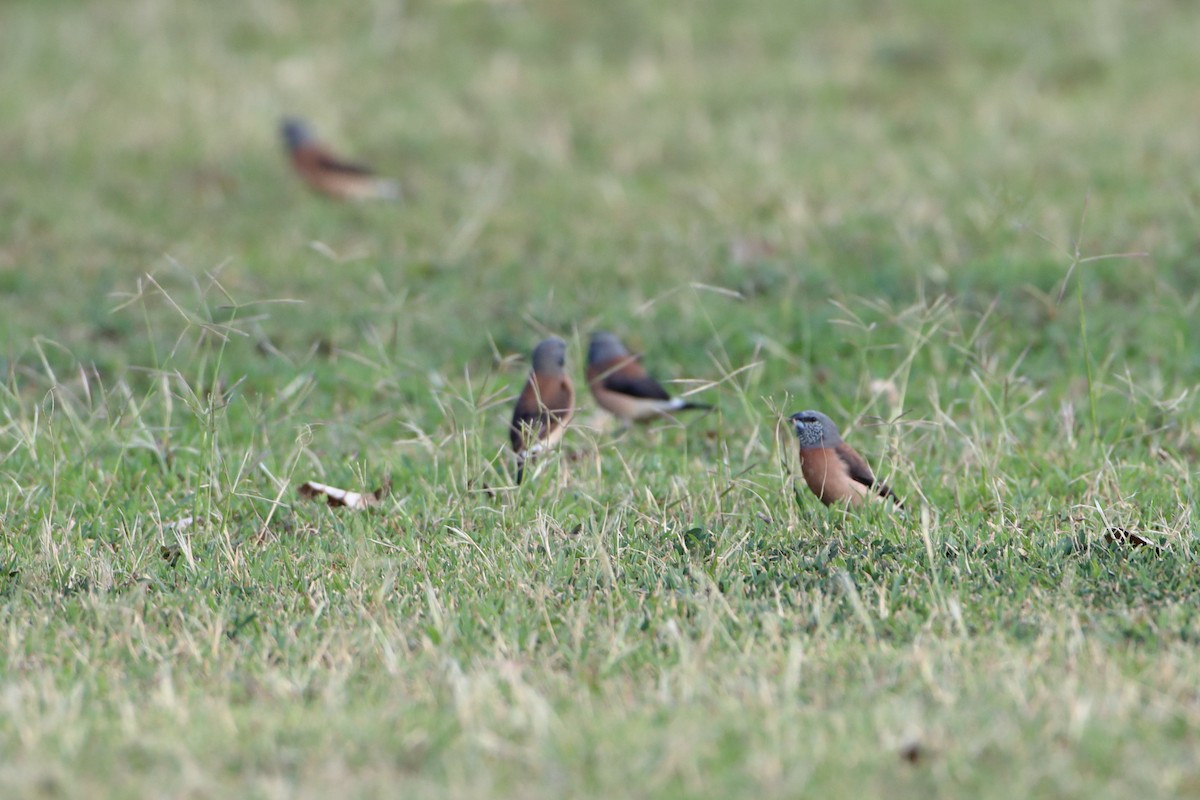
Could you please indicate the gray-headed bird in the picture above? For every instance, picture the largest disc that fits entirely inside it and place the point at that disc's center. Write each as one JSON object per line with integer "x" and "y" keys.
{"x": 622, "y": 386}
{"x": 834, "y": 471}
{"x": 545, "y": 405}
{"x": 328, "y": 174}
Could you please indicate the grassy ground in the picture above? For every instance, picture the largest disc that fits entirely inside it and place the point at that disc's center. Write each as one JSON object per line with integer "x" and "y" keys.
{"x": 965, "y": 231}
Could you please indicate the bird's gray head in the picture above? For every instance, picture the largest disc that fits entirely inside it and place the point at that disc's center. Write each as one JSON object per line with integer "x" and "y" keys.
{"x": 814, "y": 429}
{"x": 296, "y": 132}
{"x": 605, "y": 347}
{"x": 550, "y": 356}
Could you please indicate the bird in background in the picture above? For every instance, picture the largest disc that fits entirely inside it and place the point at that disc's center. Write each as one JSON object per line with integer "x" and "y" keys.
{"x": 622, "y": 386}
{"x": 326, "y": 173}
{"x": 834, "y": 470}
{"x": 545, "y": 405}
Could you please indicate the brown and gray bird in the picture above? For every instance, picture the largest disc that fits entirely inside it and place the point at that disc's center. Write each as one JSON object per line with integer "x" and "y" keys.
{"x": 328, "y": 174}
{"x": 545, "y": 405}
{"x": 622, "y": 386}
{"x": 834, "y": 471}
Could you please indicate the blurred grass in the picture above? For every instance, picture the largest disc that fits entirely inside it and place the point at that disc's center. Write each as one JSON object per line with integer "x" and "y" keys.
{"x": 898, "y": 213}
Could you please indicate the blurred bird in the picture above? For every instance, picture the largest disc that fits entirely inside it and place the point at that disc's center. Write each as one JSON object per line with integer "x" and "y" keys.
{"x": 545, "y": 405}
{"x": 622, "y": 387}
{"x": 834, "y": 471}
{"x": 326, "y": 173}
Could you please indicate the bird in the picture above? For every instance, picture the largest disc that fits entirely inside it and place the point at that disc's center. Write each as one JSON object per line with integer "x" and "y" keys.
{"x": 622, "y": 386}
{"x": 328, "y": 174}
{"x": 834, "y": 470}
{"x": 545, "y": 405}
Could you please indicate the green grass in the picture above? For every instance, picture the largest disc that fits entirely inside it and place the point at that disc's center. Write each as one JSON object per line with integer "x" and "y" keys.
{"x": 967, "y": 232}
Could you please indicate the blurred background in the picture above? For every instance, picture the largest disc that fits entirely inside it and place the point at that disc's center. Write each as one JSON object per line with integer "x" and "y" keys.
{"x": 573, "y": 164}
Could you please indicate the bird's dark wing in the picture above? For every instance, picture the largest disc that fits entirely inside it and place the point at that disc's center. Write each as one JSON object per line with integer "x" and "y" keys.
{"x": 856, "y": 466}
{"x": 644, "y": 387}
{"x": 328, "y": 162}
{"x": 627, "y": 376}
{"x": 528, "y": 417}
{"x": 860, "y": 472}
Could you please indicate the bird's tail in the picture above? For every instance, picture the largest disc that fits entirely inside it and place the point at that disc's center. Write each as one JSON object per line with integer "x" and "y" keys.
{"x": 885, "y": 492}
{"x": 687, "y": 406}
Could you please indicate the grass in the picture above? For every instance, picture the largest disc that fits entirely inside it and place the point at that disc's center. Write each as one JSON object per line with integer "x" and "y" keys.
{"x": 966, "y": 233}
